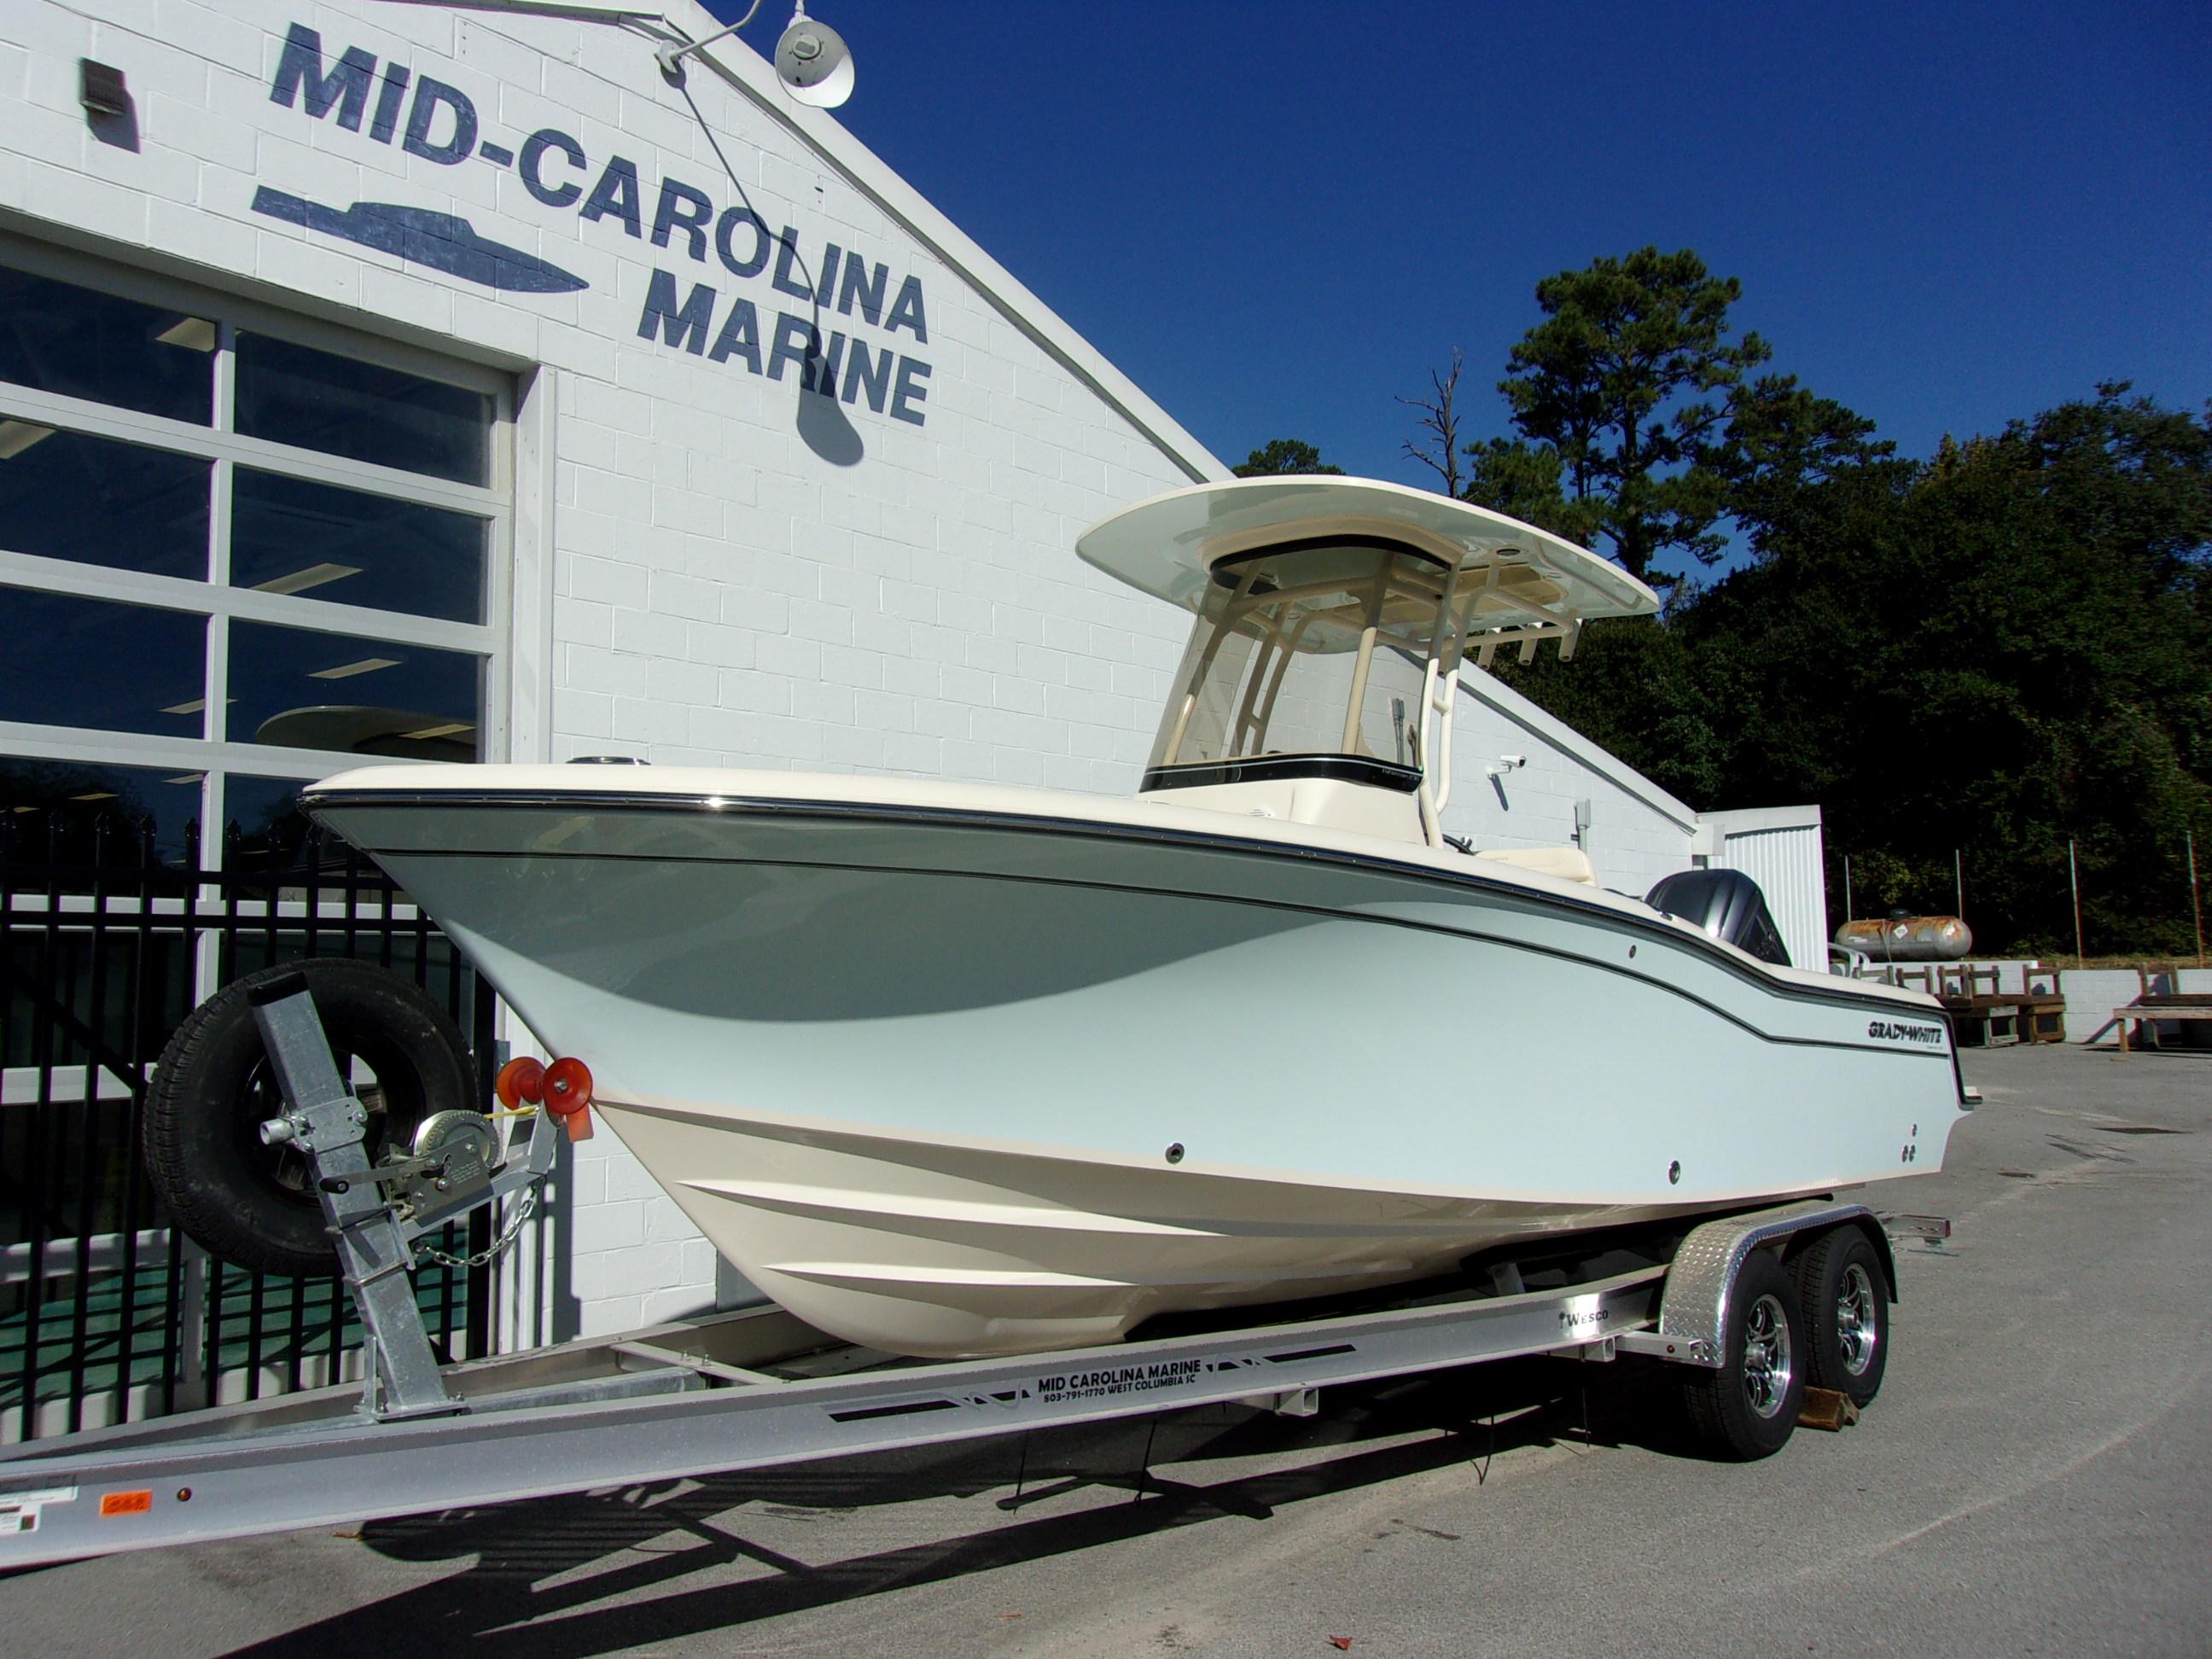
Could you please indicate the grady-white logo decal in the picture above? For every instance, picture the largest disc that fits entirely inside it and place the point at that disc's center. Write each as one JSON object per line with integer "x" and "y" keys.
{"x": 1891, "y": 1031}
{"x": 442, "y": 126}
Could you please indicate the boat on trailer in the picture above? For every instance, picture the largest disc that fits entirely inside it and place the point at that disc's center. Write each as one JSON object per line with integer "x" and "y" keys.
{"x": 953, "y": 1069}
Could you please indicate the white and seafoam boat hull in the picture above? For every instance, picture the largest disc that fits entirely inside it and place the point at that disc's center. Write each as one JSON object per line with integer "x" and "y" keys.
{"x": 956, "y": 1070}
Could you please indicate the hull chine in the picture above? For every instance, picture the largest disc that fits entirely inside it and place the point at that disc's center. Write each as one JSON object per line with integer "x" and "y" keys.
{"x": 950, "y": 1252}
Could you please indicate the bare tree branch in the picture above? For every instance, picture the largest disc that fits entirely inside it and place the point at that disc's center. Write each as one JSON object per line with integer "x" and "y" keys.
{"x": 1440, "y": 450}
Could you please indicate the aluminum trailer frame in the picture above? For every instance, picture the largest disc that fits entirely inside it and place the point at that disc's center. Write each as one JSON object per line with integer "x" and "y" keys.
{"x": 755, "y": 1387}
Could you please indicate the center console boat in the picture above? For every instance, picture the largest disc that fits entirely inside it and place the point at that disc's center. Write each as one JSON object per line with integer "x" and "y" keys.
{"x": 959, "y": 1069}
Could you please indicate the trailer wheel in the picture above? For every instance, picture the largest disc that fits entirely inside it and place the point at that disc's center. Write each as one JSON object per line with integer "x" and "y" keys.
{"x": 1846, "y": 1297}
{"x": 250, "y": 1204}
{"x": 1748, "y": 1408}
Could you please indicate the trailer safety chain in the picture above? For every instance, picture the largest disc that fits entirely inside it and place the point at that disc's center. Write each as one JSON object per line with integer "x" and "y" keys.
{"x": 498, "y": 1246}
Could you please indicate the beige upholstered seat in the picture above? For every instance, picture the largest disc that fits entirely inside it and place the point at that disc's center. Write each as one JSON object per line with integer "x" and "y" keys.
{"x": 1567, "y": 863}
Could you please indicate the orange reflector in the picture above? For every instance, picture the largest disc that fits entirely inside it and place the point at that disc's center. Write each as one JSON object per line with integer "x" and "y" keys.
{"x": 568, "y": 1087}
{"x": 578, "y": 1123}
{"x": 521, "y": 1078}
{"x": 126, "y": 1502}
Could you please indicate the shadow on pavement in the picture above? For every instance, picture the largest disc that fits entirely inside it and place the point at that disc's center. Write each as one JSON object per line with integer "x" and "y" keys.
{"x": 557, "y": 1578}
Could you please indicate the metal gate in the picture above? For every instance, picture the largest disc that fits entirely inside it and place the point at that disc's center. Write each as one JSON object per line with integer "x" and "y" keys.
{"x": 108, "y": 1313}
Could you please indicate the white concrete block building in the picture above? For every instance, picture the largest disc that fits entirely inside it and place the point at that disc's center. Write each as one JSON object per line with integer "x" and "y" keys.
{"x": 445, "y": 381}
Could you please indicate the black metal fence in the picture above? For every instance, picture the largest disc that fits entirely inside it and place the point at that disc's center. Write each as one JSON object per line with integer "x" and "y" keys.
{"x": 107, "y": 1313}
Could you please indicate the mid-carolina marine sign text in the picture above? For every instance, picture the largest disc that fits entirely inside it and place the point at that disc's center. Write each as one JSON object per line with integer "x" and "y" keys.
{"x": 720, "y": 319}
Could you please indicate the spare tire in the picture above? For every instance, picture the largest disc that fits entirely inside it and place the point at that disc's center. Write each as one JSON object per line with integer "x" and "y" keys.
{"x": 252, "y": 1205}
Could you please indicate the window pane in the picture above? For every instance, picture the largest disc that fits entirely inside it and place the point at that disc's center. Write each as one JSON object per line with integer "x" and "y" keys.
{"x": 90, "y": 662}
{"x": 59, "y": 338}
{"x": 313, "y": 690}
{"x": 289, "y": 536}
{"x": 66, "y": 495}
{"x": 342, "y": 406}
{"x": 262, "y": 824}
{"x": 82, "y": 812}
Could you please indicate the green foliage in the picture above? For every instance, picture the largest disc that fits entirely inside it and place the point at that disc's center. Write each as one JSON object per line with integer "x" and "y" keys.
{"x": 1639, "y": 688}
{"x": 1781, "y": 441}
{"x": 1999, "y": 651}
{"x": 1617, "y": 381}
{"x": 1524, "y": 481}
{"x": 1284, "y": 456}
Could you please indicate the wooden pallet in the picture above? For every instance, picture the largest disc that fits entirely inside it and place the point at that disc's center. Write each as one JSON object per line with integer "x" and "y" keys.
{"x": 2033, "y": 1018}
{"x": 2151, "y": 1006}
{"x": 2034, "y": 1014}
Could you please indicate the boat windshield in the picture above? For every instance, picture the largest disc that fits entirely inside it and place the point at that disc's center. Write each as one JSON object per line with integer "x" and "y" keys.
{"x": 1317, "y": 649}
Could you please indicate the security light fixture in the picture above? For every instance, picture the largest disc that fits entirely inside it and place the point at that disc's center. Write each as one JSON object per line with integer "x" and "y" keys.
{"x": 813, "y": 62}
{"x": 812, "y": 58}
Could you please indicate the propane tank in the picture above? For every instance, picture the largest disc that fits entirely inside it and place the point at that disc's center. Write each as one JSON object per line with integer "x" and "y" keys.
{"x": 1909, "y": 939}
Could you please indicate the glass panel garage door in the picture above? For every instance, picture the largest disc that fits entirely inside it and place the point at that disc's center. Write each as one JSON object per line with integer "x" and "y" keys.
{"x": 234, "y": 544}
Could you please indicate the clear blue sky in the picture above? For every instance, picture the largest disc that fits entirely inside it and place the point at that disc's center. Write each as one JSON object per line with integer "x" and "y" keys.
{"x": 1276, "y": 217}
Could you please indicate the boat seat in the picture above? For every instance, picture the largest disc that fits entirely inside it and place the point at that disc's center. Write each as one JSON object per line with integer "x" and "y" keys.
{"x": 1566, "y": 863}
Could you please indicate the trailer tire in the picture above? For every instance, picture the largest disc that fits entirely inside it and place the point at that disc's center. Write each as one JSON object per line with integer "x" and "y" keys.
{"x": 1846, "y": 1294}
{"x": 250, "y": 1204}
{"x": 1748, "y": 1408}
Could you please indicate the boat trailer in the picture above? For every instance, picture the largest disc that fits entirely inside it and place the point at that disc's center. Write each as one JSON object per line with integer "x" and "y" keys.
{"x": 758, "y": 1387}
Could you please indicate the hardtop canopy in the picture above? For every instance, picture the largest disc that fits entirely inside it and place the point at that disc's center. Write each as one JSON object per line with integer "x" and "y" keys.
{"x": 1532, "y": 583}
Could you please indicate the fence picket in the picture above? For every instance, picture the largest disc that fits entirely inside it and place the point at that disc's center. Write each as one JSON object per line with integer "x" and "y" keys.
{"x": 106, "y": 1313}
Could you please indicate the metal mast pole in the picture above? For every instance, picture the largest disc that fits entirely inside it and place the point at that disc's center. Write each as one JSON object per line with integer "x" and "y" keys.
{"x": 2196, "y": 905}
{"x": 2073, "y": 878}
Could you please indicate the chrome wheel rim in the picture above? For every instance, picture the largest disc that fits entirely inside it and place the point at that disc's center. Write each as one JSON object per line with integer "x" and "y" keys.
{"x": 1858, "y": 1320}
{"x": 1768, "y": 1365}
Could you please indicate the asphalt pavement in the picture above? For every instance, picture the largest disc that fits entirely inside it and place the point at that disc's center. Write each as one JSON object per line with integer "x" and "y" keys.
{"x": 2032, "y": 1481}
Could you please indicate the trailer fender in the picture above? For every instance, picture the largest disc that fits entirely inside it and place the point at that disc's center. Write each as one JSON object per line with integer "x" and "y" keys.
{"x": 1694, "y": 1312}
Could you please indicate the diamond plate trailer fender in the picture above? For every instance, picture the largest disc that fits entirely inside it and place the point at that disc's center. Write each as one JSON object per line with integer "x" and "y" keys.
{"x": 1693, "y": 1311}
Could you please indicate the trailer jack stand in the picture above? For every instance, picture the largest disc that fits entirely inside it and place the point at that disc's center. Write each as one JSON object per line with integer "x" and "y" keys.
{"x": 323, "y": 1121}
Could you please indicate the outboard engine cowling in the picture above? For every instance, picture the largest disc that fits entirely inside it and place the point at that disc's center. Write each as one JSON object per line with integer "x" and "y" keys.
{"x": 1726, "y": 904}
